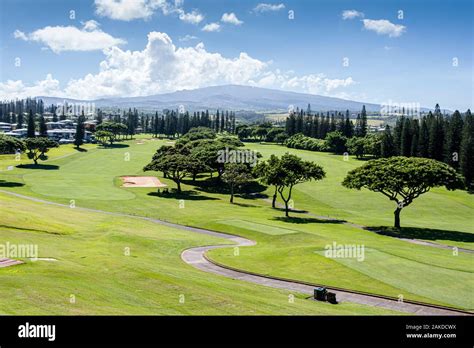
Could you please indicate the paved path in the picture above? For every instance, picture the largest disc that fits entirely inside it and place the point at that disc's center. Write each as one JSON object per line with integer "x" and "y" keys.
{"x": 196, "y": 257}
{"x": 413, "y": 241}
{"x": 4, "y": 262}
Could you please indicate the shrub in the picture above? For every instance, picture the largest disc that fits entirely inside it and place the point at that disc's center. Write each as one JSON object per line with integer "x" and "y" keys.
{"x": 300, "y": 141}
{"x": 336, "y": 142}
{"x": 9, "y": 145}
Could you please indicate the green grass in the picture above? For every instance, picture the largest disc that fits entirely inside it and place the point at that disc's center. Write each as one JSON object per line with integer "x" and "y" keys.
{"x": 256, "y": 227}
{"x": 93, "y": 267}
{"x": 285, "y": 248}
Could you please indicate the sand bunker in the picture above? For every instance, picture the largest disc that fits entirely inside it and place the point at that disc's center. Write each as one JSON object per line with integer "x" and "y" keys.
{"x": 141, "y": 181}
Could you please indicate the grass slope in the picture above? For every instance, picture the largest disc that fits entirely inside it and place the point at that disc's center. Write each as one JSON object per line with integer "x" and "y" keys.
{"x": 93, "y": 267}
{"x": 287, "y": 248}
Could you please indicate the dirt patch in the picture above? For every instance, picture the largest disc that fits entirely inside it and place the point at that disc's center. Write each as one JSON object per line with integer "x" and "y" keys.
{"x": 141, "y": 181}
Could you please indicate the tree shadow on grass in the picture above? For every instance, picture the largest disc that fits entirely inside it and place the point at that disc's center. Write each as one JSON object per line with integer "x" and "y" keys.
{"x": 80, "y": 149}
{"x": 27, "y": 229}
{"x": 423, "y": 233}
{"x": 114, "y": 146}
{"x": 300, "y": 220}
{"x": 245, "y": 204}
{"x": 4, "y": 183}
{"x": 186, "y": 195}
{"x": 294, "y": 211}
{"x": 215, "y": 185}
{"x": 38, "y": 166}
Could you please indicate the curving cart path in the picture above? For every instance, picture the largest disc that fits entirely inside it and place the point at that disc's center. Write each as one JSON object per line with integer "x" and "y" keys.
{"x": 196, "y": 257}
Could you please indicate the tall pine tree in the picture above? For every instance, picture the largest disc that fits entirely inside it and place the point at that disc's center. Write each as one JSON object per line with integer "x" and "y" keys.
{"x": 453, "y": 139}
{"x": 31, "y": 125}
{"x": 467, "y": 151}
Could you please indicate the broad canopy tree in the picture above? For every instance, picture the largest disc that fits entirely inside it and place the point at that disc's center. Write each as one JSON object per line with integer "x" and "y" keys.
{"x": 37, "y": 148}
{"x": 110, "y": 131}
{"x": 269, "y": 174}
{"x": 286, "y": 172}
{"x": 10, "y": 145}
{"x": 176, "y": 166}
{"x": 236, "y": 175}
{"x": 403, "y": 179}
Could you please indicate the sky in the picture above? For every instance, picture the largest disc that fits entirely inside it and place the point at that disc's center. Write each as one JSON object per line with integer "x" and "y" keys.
{"x": 368, "y": 50}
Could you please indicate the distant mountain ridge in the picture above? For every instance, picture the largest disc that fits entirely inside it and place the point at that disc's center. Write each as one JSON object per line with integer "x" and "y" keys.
{"x": 229, "y": 97}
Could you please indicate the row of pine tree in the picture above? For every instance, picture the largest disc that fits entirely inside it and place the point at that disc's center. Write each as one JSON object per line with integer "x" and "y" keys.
{"x": 319, "y": 125}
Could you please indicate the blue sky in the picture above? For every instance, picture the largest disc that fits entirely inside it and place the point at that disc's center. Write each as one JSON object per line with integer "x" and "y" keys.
{"x": 404, "y": 60}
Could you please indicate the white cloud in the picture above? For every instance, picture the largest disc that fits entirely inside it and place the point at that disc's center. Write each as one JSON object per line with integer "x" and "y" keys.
{"x": 192, "y": 17}
{"x": 90, "y": 25}
{"x": 127, "y": 10}
{"x": 384, "y": 27}
{"x": 231, "y": 18}
{"x": 212, "y": 27}
{"x": 312, "y": 83}
{"x": 16, "y": 89}
{"x": 262, "y": 7}
{"x": 351, "y": 14}
{"x": 188, "y": 38}
{"x": 20, "y": 35}
{"x": 70, "y": 38}
{"x": 162, "y": 67}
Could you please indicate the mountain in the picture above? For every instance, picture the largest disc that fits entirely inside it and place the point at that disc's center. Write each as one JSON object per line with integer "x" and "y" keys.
{"x": 229, "y": 97}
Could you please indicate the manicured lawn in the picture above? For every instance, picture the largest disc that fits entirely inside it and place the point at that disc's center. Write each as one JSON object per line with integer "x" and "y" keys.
{"x": 92, "y": 265}
{"x": 287, "y": 248}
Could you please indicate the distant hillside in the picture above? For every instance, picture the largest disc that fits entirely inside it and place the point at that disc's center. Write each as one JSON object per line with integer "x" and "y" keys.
{"x": 230, "y": 97}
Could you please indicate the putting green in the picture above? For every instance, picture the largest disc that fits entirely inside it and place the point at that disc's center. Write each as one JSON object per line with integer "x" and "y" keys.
{"x": 414, "y": 277}
{"x": 257, "y": 227}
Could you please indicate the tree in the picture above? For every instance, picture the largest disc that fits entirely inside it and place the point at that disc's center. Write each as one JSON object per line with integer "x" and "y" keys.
{"x": 37, "y": 148}
{"x": 110, "y": 131}
{"x": 10, "y": 145}
{"x": 387, "y": 147}
{"x": 236, "y": 175}
{"x": 336, "y": 142}
{"x": 104, "y": 136}
{"x": 423, "y": 139}
{"x": 363, "y": 122}
{"x": 436, "y": 140}
{"x": 295, "y": 171}
{"x": 269, "y": 173}
{"x": 175, "y": 162}
{"x": 415, "y": 130}
{"x": 358, "y": 126}
{"x": 43, "y": 129}
{"x": 175, "y": 165}
{"x": 406, "y": 137}
{"x": 453, "y": 139}
{"x": 403, "y": 179}
{"x": 280, "y": 138}
{"x": 31, "y": 126}
{"x": 80, "y": 131}
{"x": 100, "y": 117}
{"x": 355, "y": 146}
{"x": 19, "y": 120}
{"x": 467, "y": 151}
